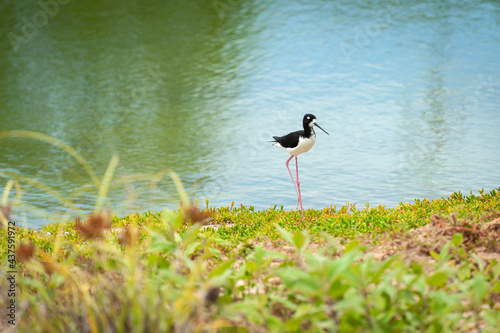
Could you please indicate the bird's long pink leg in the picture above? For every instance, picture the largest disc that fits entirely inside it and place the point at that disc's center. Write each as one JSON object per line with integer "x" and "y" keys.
{"x": 295, "y": 186}
{"x": 298, "y": 188}
{"x": 298, "y": 183}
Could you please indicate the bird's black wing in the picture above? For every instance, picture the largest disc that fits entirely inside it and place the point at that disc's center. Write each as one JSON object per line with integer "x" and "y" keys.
{"x": 290, "y": 140}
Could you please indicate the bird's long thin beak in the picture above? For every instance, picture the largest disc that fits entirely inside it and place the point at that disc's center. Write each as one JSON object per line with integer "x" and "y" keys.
{"x": 321, "y": 128}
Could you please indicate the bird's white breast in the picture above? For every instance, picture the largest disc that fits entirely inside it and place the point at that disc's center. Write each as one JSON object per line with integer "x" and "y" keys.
{"x": 305, "y": 144}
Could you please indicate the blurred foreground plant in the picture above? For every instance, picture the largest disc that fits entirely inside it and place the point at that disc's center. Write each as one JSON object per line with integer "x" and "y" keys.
{"x": 180, "y": 281}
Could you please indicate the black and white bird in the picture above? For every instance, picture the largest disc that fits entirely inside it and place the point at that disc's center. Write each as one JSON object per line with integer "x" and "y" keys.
{"x": 296, "y": 143}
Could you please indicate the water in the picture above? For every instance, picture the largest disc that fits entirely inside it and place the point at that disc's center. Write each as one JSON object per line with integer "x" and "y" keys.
{"x": 409, "y": 92}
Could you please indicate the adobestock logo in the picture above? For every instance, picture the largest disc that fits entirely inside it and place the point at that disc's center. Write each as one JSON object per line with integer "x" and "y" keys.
{"x": 29, "y": 28}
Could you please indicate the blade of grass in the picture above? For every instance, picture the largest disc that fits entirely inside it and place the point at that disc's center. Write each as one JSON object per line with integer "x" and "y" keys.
{"x": 55, "y": 142}
{"x": 106, "y": 180}
{"x": 5, "y": 196}
{"x": 33, "y": 182}
{"x": 180, "y": 189}
{"x": 7, "y": 190}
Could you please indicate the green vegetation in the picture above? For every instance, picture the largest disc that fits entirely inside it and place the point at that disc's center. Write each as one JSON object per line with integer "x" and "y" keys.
{"x": 430, "y": 266}
{"x": 265, "y": 271}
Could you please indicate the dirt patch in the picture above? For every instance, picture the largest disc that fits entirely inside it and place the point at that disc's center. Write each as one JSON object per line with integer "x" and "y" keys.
{"x": 481, "y": 238}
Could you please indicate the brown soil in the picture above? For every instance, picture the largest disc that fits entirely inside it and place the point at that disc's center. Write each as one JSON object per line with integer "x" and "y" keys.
{"x": 481, "y": 238}
{"x": 416, "y": 245}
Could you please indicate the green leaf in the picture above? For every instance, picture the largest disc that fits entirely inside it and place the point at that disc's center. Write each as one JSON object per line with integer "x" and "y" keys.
{"x": 354, "y": 277}
{"x": 307, "y": 311}
{"x": 259, "y": 255}
{"x": 352, "y": 246}
{"x": 337, "y": 267}
{"x": 464, "y": 273}
{"x": 307, "y": 286}
{"x": 444, "y": 251}
{"x": 385, "y": 265}
{"x": 286, "y": 234}
{"x": 352, "y": 301}
{"x": 56, "y": 280}
{"x": 479, "y": 287}
{"x": 457, "y": 239}
{"x": 438, "y": 279}
{"x": 417, "y": 268}
{"x": 298, "y": 240}
{"x": 275, "y": 255}
{"x": 250, "y": 308}
{"x": 221, "y": 279}
{"x": 286, "y": 302}
{"x": 252, "y": 266}
{"x": 301, "y": 239}
{"x": 495, "y": 286}
{"x": 337, "y": 289}
{"x": 480, "y": 262}
{"x": 161, "y": 245}
{"x": 334, "y": 244}
{"x": 219, "y": 241}
{"x": 420, "y": 283}
{"x": 178, "y": 222}
{"x": 435, "y": 255}
{"x": 274, "y": 323}
{"x": 495, "y": 268}
{"x": 177, "y": 238}
{"x": 157, "y": 260}
{"x": 191, "y": 248}
{"x": 224, "y": 300}
{"x": 296, "y": 279}
{"x": 191, "y": 234}
{"x": 168, "y": 217}
{"x": 221, "y": 268}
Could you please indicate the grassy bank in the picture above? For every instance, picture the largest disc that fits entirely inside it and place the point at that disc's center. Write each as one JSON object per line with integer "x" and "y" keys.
{"x": 428, "y": 266}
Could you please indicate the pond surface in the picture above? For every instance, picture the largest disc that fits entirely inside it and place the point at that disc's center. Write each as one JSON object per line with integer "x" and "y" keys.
{"x": 408, "y": 90}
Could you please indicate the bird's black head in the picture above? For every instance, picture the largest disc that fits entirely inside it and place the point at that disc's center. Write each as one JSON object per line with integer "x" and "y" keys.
{"x": 310, "y": 121}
